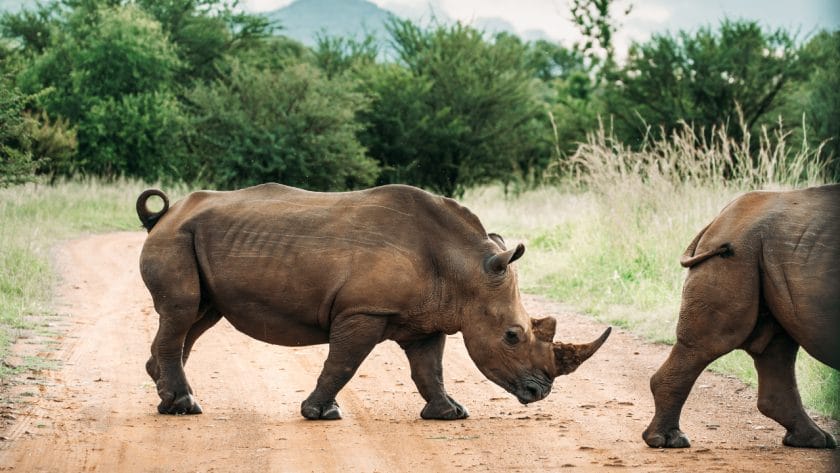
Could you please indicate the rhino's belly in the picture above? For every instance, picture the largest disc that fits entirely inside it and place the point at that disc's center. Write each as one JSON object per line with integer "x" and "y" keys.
{"x": 277, "y": 329}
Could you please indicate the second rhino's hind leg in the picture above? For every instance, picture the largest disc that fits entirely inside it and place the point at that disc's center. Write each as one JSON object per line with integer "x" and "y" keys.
{"x": 778, "y": 396}
{"x": 426, "y": 360}
{"x": 670, "y": 386}
{"x": 712, "y": 323}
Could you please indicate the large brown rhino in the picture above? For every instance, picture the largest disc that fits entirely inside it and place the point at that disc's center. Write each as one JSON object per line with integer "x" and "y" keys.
{"x": 292, "y": 267}
{"x": 764, "y": 277}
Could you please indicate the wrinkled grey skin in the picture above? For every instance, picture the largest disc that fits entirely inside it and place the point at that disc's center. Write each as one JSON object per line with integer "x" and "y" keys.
{"x": 292, "y": 267}
{"x": 764, "y": 277}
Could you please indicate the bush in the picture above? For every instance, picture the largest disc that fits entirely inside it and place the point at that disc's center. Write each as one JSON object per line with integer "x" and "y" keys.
{"x": 290, "y": 126}
{"x": 110, "y": 72}
{"x": 53, "y": 145}
{"x": 16, "y": 163}
{"x": 704, "y": 79}
{"x": 457, "y": 111}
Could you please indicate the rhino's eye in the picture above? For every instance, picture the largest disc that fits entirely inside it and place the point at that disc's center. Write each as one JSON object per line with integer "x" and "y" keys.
{"x": 512, "y": 336}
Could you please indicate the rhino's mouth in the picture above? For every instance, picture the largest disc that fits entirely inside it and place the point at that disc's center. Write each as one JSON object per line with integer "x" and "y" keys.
{"x": 531, "y": 389}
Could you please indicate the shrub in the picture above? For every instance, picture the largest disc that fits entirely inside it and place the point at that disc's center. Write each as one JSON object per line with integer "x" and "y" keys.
{"x": 290, "y": 126}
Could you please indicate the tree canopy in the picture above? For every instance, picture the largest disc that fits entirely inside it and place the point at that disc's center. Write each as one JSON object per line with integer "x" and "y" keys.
{"x": 198, "y": 91}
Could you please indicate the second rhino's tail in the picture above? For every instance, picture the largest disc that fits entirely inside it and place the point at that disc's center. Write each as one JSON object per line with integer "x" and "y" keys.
{"x": 689, "y": 258}
{"x": 147, "y": 217}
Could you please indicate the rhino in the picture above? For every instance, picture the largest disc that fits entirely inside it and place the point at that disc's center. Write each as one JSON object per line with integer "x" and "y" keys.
{"x": 292, "y": 267}
{"x": 764, "y": 277}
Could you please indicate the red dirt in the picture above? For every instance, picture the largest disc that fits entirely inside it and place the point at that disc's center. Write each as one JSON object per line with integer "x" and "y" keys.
{"x": 95, "y": 409}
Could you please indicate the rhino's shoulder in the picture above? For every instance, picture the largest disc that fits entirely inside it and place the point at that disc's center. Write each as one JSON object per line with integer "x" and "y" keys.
{"x": 448, "y": 210}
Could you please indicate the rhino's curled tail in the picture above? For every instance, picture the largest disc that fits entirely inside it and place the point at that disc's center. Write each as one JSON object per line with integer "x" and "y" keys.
{"x": 689, "y": 259}
{"x": 147, "y": 217}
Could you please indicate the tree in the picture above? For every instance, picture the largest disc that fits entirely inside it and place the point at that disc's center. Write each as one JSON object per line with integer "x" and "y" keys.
{"x": 16, "y": 163}
{"x": 597, "y": 26}
{"x": 290, "y": 126}
{"x": 110, "y": 72}
{"x": 818, "y": 98}
{"x": 456, "y": 110}
{"x": 705, "y": 79}
{"x": 205, "y": 33}
{"x": 337, "y": 55}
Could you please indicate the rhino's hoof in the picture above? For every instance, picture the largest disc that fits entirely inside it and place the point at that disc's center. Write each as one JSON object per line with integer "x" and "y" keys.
{"x": 446, "y": 409}
{"x": 672, "y": 439}
{"x": 327, "y": 411}
{"x": 816, "y": 439}
{"x": 185, "y": 404}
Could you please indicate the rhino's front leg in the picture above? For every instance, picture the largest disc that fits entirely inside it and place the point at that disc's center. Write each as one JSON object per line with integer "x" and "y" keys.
{"x": 351, "y": 340}
{"x": 426, "y": 359}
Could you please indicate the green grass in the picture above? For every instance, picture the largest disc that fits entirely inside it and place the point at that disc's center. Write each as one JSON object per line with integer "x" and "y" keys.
{"x": 34, "y": 218}
{"x": 607, "y": 235}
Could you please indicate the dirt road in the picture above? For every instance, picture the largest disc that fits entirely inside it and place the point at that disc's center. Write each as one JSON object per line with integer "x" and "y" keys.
{"x": 92, "y": 407}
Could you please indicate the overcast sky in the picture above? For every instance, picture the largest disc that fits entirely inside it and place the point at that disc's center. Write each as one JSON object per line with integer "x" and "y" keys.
{"x": 646, "y": 17}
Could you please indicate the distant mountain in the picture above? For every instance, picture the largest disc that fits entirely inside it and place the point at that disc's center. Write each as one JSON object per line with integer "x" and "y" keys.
{"x": 14, "y": 6}
{"x": 305, "y": 20}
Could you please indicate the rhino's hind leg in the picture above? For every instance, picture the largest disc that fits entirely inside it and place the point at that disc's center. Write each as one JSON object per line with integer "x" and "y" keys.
{"x": 168, "y": 351}
{"x": 426, "y": 360}
{"x": 173, "y": 283}
{"x": 351, "y": 340}
{"x": 778, "y": 396}
{"x": 712, "y": 322}
{"x": 209, "y": 318}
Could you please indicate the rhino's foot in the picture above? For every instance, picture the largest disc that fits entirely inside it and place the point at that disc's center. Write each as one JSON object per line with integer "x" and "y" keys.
{"x": 326, "y": 411}
{"x": 812, "y": 439}
{"x": 184, "y": 404}
{"x": 674, "y": 438}
{"x": 444, "y": 409}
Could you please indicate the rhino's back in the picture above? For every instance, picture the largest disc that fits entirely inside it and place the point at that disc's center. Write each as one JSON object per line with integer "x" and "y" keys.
{"x": 781, "y": 222}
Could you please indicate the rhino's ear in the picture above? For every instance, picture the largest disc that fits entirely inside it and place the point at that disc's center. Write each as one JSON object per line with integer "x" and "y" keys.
{"x": 498, "y": 239}
{"x": 544, "y": 328}
{"x": 498, "y": 263}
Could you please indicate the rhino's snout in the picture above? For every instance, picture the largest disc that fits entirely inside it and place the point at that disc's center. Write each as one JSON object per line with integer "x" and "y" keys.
{"x": 532, "y": 391}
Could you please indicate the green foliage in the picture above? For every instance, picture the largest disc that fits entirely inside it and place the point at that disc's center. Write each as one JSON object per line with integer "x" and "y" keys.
{"x": 458, "y": 110}
{"x": 118, "y": 87}
{"x": 16, "y": 163}
{"x": 135, "y": 135}
{"x": 53, "y": 146}
{"x": 205, "y": 32}
{"x": 275, "y": 52}
{"x": 336, "y": 55}
{"x": 32, "y": 29}
{"x": 818, "y": 98}
{"x": 705, "y": 79}
{"x": 596, "y": 23}
{"x": 110, "y": 73}
{"x": 290, "y": 126}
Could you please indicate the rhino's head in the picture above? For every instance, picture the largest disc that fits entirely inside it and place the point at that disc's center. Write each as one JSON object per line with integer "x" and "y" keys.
{"x": 513, "y": 350}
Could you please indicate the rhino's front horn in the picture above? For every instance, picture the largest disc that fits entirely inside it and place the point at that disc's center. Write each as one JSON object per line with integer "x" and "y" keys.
{"x": 568, "y": 356}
